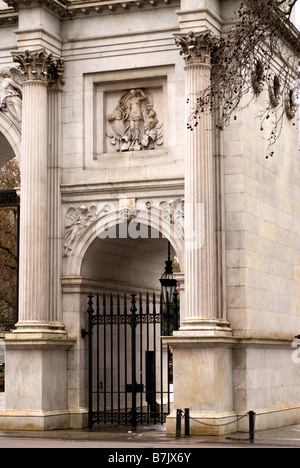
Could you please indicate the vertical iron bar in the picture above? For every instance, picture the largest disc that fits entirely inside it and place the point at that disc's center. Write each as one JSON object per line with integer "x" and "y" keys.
{"x": 141, "y": 355}
{"x": 125, "y": 355}
{"x": 111, "y": 360}
{"x": 154, "y": 346}
{"x": 147, "y": 354}
{"x": 18, "y": 260}
{"x": 104, "y": 356}
{"x": 133, "y": 360}
{"x": 90, "y": 312}
{"x": 98, "y": 359}
{"x": 118, "y": 339}
{"x": 161, "y": 365}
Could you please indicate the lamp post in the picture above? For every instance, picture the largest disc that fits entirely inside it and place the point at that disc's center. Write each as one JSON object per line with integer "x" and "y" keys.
{"x": 168, "y": 282}
{"x": 169, "y": 292}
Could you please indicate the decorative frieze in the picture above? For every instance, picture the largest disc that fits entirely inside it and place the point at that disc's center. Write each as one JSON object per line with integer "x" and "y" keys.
{"x": 165, "y": 216}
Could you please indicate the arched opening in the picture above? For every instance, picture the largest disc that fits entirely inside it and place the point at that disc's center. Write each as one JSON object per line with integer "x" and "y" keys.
{"x": 135, "y": 264}
{"x": 6, "y": 151}
{"x": 130, "y": 368}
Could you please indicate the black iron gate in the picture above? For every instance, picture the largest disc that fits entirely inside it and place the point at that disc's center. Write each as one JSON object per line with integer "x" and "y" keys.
{"x": 130, "y": 369}
{"x": 11, "y": 199}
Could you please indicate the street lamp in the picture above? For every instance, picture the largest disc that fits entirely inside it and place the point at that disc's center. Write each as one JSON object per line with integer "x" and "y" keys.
{"x": 168, "y": 282}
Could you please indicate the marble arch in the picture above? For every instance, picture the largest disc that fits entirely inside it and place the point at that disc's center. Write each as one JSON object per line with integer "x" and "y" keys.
{"x": 241, "y": 280}
{"x": 158, "y": 224}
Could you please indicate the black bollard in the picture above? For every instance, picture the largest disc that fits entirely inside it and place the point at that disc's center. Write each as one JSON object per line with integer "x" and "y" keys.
{"x": 252, "y": 416}
{"x": 178, "y": 423}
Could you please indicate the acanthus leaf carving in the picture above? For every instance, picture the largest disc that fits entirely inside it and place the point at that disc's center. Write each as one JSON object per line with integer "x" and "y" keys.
{"x": 196, "y": 48}
{"x": 39, "y": 65}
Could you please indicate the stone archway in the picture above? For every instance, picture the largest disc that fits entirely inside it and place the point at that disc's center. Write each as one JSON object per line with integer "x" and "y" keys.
{"x": 140, "y": 228}
{"x": 10, "y": 140}
{"x": 102, "y": 261}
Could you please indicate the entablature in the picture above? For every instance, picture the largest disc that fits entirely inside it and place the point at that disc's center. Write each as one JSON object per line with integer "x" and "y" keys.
{"x": 70, "y": 8}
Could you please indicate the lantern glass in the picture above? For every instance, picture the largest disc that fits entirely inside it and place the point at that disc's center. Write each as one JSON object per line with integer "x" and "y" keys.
{"x": 168, "y": 282}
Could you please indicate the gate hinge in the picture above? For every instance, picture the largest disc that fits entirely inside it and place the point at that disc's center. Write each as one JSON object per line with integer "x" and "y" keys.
{"x": 84, "y": 333}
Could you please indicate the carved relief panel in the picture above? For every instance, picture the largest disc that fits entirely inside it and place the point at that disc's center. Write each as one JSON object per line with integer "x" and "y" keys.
{"x": 129, "y": 116}
{"x": 133, "y": 124}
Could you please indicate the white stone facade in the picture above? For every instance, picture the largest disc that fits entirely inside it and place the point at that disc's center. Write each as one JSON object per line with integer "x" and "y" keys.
{"x": 103, "y": 141}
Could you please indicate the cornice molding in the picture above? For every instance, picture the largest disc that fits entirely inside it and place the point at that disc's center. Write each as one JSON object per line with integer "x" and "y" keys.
{"x": 69, "y": 8}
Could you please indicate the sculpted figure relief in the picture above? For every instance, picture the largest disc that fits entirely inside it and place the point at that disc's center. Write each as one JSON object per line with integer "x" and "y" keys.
{"x": 11, "y": 94}
{"x": 133, "y": 124}
{"x": 78, "y": 220}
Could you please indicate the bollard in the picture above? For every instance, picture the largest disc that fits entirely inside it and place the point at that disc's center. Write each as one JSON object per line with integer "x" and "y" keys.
{"x": 187, "y": 421}
{"x": 252, "y": 416}
{"x": 178, "y": 423}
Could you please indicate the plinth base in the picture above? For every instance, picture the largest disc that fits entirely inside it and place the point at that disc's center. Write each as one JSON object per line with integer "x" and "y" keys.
{"x": 203, "y": 381}
{"x": 36, "y": 382}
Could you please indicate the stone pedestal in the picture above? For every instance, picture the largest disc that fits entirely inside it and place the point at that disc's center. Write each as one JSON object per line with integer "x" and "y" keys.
{"x": 203, "y": 382}
{"x": 36, "y": 383}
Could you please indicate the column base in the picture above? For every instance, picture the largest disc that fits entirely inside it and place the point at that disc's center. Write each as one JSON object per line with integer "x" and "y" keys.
{"x": 44, "y": 328}
{"x": 34, "y": 420}
{"x": 205, "y": 327}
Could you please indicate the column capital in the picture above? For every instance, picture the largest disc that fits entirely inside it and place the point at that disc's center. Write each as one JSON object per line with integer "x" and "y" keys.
{"x": 39, "y": 66}
{"x": 196, "y": 48}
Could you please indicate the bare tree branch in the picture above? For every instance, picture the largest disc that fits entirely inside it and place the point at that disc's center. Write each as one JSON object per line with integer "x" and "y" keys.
{"x": 260, "y": 49}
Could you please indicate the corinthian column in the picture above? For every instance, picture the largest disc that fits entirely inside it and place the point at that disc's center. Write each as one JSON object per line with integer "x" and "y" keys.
{"x": 200, "y": 308}
{"x": 34, "y": 244}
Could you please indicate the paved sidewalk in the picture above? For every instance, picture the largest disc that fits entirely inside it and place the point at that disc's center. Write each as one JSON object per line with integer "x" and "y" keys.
{"x": 148, "y": 437}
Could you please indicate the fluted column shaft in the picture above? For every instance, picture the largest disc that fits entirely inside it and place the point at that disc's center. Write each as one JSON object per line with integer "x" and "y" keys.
{"x": 55, "y": 223}
{"x": 199, "y": 230}
{"x": 37, "y": 69}
{"x": 33, "y": 297}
